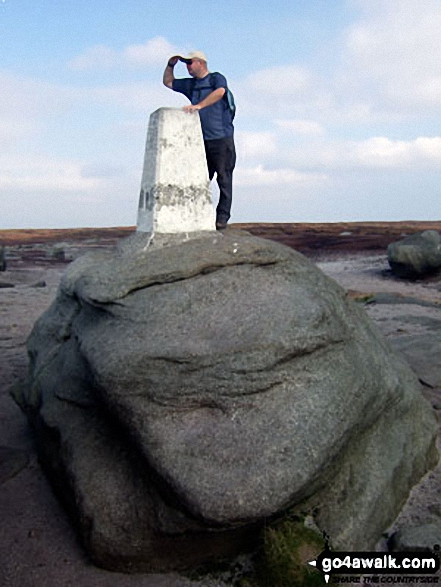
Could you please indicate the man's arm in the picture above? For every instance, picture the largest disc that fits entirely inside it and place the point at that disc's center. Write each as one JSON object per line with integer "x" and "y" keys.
{"x": 169, "y": 75}
{"x": 212, "y": 98}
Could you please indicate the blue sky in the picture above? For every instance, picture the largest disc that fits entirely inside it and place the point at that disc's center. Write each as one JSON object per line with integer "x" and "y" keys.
{"x": 338, "y": 106}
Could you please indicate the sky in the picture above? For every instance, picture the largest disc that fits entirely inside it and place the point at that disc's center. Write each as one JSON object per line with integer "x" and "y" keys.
{"x": 338, "y": 106}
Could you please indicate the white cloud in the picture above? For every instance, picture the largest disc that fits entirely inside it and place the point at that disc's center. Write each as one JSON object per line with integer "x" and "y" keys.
{"x": 24, "y": 103}
{"x": 102, "y": 170}
{"x": 429, "y": 148}
{"x": 300, "y": 127}
{"x": 26, "y": 96}
{"x": 381, "y": 152}
{"x": 13, "y": 130}
{"x": 256, "y": 144}
{"x": 281, "y": 92}
{"x": 132, "y": 95}
{"x": 28, "y": 106}
{"x": 260, "y": 176}
{"x": 386, "y": 68}
{"x": 153, "y": 52}
{"x": 374, "y": 153}
{"x": 96, "y": 57}
{"x": 44, "y": 191}
{"x": 289, "y": 80}
{"x": 39, "y": 173}
{"x": 397, "y": 47}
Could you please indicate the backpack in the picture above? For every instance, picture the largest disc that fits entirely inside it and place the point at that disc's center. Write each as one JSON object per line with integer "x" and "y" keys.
{"x": 228, "y": 96}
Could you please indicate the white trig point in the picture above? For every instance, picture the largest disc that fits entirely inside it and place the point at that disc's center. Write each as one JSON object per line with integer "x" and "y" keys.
{"x": 175, "y": 190}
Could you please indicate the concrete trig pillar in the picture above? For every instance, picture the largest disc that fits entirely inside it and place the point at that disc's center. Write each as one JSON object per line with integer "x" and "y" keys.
{"x": 175, "y": 189}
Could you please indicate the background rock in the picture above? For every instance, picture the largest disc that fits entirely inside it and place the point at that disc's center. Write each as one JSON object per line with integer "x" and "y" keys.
{"x": 416, "y": 538}
{"x": 416, "y": 255}
{"x": 183, "y": 393}
{"x": 2, "y": 259}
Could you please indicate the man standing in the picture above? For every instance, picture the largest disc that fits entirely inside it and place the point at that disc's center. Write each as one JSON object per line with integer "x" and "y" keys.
{"x": 207, "y": 93}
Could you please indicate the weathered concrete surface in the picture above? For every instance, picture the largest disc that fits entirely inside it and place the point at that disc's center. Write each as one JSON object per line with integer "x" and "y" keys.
{"x": 175, "y": 193}
{"x": 182, "y": 394}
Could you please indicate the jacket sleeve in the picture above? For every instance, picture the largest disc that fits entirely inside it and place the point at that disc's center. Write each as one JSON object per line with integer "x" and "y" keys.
{"x": 183, "y": 86}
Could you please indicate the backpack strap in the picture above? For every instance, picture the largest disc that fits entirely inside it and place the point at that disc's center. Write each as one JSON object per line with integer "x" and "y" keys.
{"x": 229, "y": 98}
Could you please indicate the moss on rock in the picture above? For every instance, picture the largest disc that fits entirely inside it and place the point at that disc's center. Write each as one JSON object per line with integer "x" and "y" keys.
{"x": 287, "y": 549}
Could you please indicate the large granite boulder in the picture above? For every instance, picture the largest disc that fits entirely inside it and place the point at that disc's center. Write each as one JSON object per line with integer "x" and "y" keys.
{"x": 416, "y": 255}
{"x": 184, "y": 392}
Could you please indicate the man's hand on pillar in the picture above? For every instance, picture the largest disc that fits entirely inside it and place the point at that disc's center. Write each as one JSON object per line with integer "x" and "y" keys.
{"x": 191, "y": 108}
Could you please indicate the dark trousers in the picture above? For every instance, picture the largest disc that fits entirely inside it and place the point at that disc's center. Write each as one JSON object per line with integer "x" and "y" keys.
{"x": 221, "y": 159}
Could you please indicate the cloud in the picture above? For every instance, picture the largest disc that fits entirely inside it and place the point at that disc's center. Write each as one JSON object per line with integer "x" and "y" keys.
{"x": 44, "y": 191}
{"x": 96, "y": 57}
{"x": 136, "y": 96}
{"x": 13, "y": 130}
{"x": 395, "y": 49}
{"x": 25, "y": 103}
{"x": 153, "y": 52}
{"x": 296, "y": 125}
{"x": 40, "y": 173}
{"x": 373, "y": 153}
{"x": 380, "y": 152}
{"x": 384, "y": 153}
{"x": 385, "y": 68}
{"x": 288, "y": 81}
{"x": 261, "y": 176}
{"x": 256, "y": 144}
{"x": 102, "y": 170}
{"x": 300, "y": 127}
{"x": 26, "y": 96}
{"x": 429, "y": 148}
{"x": 276, "y": 91}
{"x": 28, "y": 107}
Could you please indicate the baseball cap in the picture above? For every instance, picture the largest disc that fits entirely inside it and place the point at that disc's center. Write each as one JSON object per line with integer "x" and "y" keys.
{"x": 194, "y": 55}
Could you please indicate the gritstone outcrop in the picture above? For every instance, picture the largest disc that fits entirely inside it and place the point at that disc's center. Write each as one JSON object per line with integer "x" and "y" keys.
{"x": 185, "y": 391}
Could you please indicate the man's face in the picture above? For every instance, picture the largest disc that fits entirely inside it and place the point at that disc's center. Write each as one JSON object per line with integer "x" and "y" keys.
{"x": 195, "y": 68}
